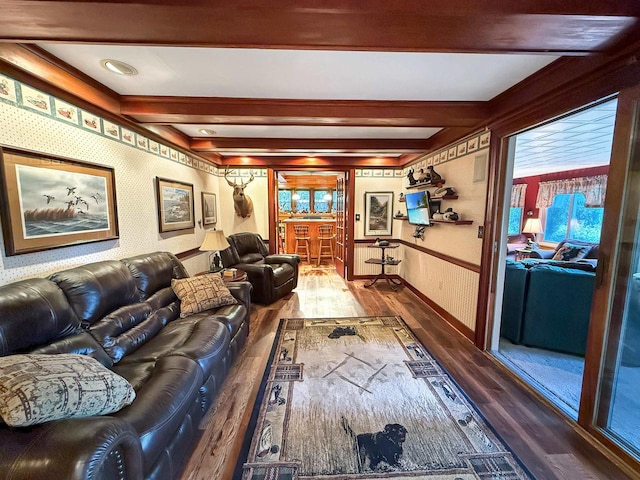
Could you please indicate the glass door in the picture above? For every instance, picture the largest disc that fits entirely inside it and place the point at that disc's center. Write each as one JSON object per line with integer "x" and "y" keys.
{"x": 616, "y": 329}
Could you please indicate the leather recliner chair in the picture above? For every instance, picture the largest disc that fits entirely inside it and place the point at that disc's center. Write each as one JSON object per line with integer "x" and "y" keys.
{"x": 272, "y": 276}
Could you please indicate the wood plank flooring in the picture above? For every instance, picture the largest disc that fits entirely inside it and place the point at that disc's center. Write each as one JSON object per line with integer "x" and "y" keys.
{"x": 544, "y": 441}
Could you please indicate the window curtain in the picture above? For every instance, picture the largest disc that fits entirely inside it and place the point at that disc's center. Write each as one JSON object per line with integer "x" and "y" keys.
{"x": 593, "y": 188}
{"x": 517, "y": 195}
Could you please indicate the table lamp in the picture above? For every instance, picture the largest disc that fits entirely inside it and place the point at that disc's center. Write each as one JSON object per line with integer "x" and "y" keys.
{"x": 533, "y": 225}
{"x": 213, "y": 242}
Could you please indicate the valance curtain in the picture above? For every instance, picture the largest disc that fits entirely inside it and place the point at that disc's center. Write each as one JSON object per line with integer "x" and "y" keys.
{"x": 517, "y": 195}
{"x": 593, "y": 188}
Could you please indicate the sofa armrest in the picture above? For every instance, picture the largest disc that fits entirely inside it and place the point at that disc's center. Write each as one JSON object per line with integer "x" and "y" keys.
{"x": 546, "y": 254}
{"x": 292, "y": 259}
{"x": 73, "y": 449}
{"x": 241, "y": 291}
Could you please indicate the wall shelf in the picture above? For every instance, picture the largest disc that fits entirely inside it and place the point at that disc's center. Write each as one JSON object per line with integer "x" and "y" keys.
{"x": 447, "y": 197}
{"x": 403, "y": 217}
{"x": 457, "y": 222}
{"x": 426, "y": 184}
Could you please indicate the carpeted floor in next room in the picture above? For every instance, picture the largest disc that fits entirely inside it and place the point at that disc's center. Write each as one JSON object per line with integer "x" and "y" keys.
{"x": 558, "y": 376}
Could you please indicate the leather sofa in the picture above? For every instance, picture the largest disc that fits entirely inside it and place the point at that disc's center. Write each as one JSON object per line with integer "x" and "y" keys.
{"x": 272, "y": 276}
{"x": 547, "y": 306}
{"x": 125, "y": 315}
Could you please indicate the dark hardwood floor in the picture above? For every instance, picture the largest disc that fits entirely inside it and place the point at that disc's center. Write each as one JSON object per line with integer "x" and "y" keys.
{"x": 545, "y": 442}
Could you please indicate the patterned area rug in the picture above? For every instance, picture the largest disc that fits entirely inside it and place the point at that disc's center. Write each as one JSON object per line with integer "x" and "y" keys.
{"x": 352, "y": 398}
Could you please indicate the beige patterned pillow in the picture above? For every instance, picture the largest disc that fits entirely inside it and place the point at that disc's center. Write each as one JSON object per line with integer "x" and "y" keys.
{"x": 38, "y": 388}
{"x": 201, "y": 293}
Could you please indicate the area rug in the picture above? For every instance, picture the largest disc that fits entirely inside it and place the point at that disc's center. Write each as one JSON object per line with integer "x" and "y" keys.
{"x": 362, "y": 398}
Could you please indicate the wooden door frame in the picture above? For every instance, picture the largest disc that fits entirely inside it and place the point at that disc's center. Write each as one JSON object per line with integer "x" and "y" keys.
{"x": 272, "y": 187}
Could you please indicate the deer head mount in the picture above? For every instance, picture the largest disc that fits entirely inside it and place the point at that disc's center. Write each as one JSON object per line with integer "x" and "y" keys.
{"x": 241, "y": 202}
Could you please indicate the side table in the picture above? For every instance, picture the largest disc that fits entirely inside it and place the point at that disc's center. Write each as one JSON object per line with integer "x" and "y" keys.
{"x": 240, "y": 275}
{"x": 382, "y": 261}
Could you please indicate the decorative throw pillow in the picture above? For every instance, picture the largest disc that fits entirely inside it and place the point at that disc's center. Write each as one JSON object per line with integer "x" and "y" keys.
{"x": 201, "y": 293}
{"x": 569, "y": 252}
{"x": 37, "y": 388}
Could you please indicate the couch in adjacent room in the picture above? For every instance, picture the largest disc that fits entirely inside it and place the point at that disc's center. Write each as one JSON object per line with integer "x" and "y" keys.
{"x": 272, "y": 276}
{"x": 548, "y": 306}
{"x": 96, "y": 330}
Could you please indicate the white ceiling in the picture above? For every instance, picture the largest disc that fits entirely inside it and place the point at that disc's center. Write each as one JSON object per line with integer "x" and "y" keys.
{"x": 580, "y": 140}
{"x": 303, "y": 74}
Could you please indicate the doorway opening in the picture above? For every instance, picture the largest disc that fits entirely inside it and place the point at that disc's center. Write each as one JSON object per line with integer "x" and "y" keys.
{"x": 309, "y": 213}
{"x": 558, "y": 173}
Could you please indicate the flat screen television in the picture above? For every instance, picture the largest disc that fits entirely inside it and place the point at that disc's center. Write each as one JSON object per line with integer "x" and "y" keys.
{"x": 418, "y": 208}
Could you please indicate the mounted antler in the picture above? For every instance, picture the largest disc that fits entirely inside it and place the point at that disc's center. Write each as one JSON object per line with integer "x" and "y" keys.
{"x": 241, "y": 202}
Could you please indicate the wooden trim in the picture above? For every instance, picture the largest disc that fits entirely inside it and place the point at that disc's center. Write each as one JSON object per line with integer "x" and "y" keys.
{"x": 442, "y": 256}
{"x": 310, "y": 163}
{"x": 189, "y": 253}
{"x": 272, "y": 200}
{"x": 250, "y": 111}
{"x": 446, "y": 316}
{"x": 349, "y": 203}
{"x": 309, "y": 144}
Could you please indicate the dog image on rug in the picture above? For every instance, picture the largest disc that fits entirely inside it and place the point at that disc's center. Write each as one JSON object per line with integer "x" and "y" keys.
{"x": 383, "y": 447}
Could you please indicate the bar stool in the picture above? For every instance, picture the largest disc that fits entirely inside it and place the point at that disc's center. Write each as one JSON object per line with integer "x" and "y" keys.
{"x": 302, "y": 239}
{"x": 325, "y": 235}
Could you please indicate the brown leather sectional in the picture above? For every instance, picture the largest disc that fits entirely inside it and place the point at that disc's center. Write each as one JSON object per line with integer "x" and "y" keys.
{"x": 125, "y": 315}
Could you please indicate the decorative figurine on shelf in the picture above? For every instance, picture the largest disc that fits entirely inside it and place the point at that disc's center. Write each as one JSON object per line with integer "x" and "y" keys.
{"x": 424, "y": 176}
{"x": 443, "y": 192}
{"x": 412, "y": 180}
{"x": 434, "y": 176}
{"x": 381, "y": 243}
{"x": 437, "y": 215}
{"x": 401, "y": 198}
{"x": 399, "y": 214}
{"x": 450, "y": 215}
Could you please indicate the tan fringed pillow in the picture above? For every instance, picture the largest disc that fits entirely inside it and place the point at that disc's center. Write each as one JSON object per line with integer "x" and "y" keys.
{"x": 37, "y": 388}
{"x": 201, "y": 293}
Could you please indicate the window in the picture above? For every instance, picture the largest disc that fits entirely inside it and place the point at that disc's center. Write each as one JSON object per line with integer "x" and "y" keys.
{"x": 567, "y": 217}
{"x": 284, "y": 200}
{"x": 303, "y": 204}
{"x": 515, "y": 219}
{"x": 320, "y": 203}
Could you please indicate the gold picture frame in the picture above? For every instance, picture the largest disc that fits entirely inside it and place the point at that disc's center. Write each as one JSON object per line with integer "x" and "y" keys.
{"x": 51, "y": 202}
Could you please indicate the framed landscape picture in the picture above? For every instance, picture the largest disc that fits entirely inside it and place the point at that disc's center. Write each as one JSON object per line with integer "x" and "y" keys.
{"x": 378, "y": 217}
{"x": 50, "y": 202}
{"x": 209, "y": 211}
{"x": 175, "y": 205}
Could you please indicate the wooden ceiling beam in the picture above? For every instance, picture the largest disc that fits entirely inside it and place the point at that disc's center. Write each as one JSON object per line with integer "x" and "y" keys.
{"x": 569, "y": 28}
{"x": 261, "y": 111}
{"x": 311, "y": 162}
{"x": 308, "y": 144}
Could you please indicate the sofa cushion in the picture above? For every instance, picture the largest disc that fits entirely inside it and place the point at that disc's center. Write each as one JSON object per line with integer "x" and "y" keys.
{"x": 128, "y": 328}
{"x": 201, "y": 339}
{"x": 201, "y": 293}
{"x": 166, "y": 390}
{"x": 25, "y": 302}
{"x": 154, "y": 271}
{"x": 97, "y": 289}
{"x": 570, "y": 252}
{"x": 81, "y": 344}
{"x": 233, "y": 316}
{"x": 40, "y": 388}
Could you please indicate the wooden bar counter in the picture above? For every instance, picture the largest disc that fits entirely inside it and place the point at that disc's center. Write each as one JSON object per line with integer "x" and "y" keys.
{"x": 314, "y": 223}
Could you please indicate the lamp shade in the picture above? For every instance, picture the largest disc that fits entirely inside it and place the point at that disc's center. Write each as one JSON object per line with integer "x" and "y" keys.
{"x": 214, "y": 240}
{"x": 532, "y": 225}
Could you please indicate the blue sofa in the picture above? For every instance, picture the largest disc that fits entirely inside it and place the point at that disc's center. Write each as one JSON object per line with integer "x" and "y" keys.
{"x": 547, "y": 306}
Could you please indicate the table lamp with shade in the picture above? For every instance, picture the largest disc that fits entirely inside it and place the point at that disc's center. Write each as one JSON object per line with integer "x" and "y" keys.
{"x": 533, "y": 225}
{"x": 213, "y": 242}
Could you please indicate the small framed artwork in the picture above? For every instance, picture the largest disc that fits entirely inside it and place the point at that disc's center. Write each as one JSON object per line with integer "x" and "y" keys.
{"x": 65, "y": 111}
{"x": 484, "y": 139}
{"x": 209, "y": 210}
{"x": 462, "y": 149}
{"x": 378, "y": 215}
{"x": 8, "y": 89}
{"x": 452, "y": 153}
{"x": 36, "y": 99}
{"x": 175, "y": 205}
{"x": 472, "y": 145}
{"x": 50, "y": 202}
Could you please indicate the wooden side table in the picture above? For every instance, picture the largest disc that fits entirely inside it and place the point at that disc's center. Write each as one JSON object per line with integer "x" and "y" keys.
{"x": 240, "y": 275}
{"x": 382, "y": 261}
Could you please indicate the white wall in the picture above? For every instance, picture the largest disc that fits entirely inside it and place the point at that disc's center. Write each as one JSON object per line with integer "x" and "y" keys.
{"x": 135, "y": 172}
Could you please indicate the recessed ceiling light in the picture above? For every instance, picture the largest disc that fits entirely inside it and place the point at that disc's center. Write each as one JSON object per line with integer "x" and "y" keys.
{"x": 116, "y": 66}
{"x": 207, "y": 131}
